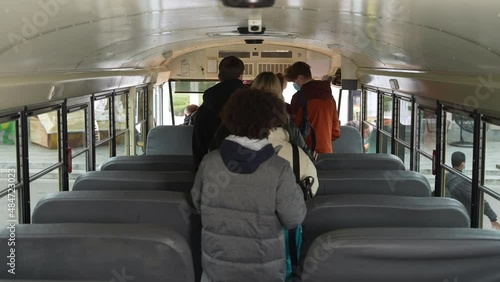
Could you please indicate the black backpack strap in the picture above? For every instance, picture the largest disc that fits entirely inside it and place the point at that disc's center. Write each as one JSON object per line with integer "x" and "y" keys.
{"x": 292, "y": 233}
{"x": 306, "y": 123}
{"x": 296, "y": 163}
{"x": 313, "y": 139}
{"x": 305, "y": 116}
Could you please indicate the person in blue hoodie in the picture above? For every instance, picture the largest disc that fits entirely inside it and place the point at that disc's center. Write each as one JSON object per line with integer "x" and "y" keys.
{"x": 246, "y": 194}
{"x": 207, "y": 116}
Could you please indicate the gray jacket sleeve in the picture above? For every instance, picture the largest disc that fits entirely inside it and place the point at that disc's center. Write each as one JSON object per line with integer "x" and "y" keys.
{"x": 196, "y": 191}
{"x": 290, "y": 205}
{"x": 467, "y": 194}
{"x": 488, "y": 211}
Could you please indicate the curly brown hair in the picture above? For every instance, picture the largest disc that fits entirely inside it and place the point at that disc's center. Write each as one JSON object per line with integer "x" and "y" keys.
{"x": 252, "y": 113}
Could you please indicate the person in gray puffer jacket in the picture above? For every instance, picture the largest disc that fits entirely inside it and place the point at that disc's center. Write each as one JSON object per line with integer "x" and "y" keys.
{"x": 246, "y": 195}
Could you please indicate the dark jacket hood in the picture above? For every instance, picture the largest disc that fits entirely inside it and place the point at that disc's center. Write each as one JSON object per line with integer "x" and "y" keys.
{"x": 316, "y": 89}
{"x": 242, "y": 160}
{"x": 216, "y": 96}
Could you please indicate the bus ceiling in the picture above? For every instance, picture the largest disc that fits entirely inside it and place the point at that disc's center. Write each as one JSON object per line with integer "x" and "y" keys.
{"x": 414, "y": 42}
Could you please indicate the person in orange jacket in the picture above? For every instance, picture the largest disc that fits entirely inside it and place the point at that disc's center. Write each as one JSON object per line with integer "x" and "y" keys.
{"x": 320, "y": 105}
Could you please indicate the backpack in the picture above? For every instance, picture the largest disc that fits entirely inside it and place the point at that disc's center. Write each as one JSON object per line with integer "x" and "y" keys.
{"x": 305, "y": 124}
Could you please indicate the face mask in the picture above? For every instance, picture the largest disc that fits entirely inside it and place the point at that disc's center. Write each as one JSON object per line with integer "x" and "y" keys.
{"x": 296, "y": 86}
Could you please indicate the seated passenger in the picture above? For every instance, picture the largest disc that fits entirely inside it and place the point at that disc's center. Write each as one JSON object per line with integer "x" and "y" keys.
{"x": 245, "y": 195}
{"x": 461, "y": 190}
{"x": 281, "y": 137}
{"x": 189, "y": 114}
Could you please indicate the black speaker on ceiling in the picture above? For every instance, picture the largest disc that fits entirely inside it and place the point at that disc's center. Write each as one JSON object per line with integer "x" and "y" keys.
{"x": 254, "y": 41}
{"x": 248, "y": 3}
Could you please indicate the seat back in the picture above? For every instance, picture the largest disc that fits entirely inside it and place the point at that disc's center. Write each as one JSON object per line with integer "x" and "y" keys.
{"x": 387, "y": 182}
{"x": 350, "y": 141}
{"x": 178, "y": 181}
{"x": 170, "y": 140}
{"x": 149, "y": 163}
{"x": 359, "y": 162}
{"x": 173, "y": 210}
{"x": 96, "y": 252}
{"x": 404, "y": 254}
{"x": 327, "y": 213}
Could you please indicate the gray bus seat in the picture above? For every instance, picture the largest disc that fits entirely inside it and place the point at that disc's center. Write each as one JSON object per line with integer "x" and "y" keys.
{"x": 177, "y": 181}
{"x": 327, "y": 213}
{"x": 350, "y": 141}
{"x": 404, "y": 254}
{"x": 149, "y": 163}
{"x": 170, "y": 140}
{"x": 359, "y": 162}
{"x": 173, "y": 210}
{"x": 96, "y": 252}
{"x": 387, "y": 182}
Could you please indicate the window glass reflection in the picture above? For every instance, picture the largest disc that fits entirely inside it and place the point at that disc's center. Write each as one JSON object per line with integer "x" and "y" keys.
{"x": 121, "y": 112}
{"x": 122, "y": 145}
{"x": 425, "y": 168}
{"x": 405, "y": 116}
{"x": 79, "y": 166}
{"x": 492, "y": 169}
{"x": 371, "y": 107}
{"x": 77, "y": 135}
{"x": 459, "y": 137}
{"x": 43, "y": 141}
{"x": 427, "y": 131}
{"x": 101, "y": 113}
{"x": 102, "y": 153}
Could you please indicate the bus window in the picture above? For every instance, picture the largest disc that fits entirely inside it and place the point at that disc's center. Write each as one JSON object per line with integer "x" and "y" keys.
{"x": 122, "y": 140}
{"x": 77, "y": 141}
{"x": 403, "y": 131}
{"x": 491, "y": 171}
{"x": 140, "y": 118}
{"x": 459, "y": 134}
{"x": 9, "y": 176}
{"x": 43, "y": 152}
{"x": 370, "y": 121}
{"x": 386, "y": 131}
{"x": 102, "y": 153}
{"x": 426, "y": 143}
{"x": 187, "y": 93}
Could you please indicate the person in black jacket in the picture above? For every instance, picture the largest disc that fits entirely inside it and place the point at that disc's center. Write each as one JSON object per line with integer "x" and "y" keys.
{"x": 208, "y": 121}
{"x": 459, "y": 189}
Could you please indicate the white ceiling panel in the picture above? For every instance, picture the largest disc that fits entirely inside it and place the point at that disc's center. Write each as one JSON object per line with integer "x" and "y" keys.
{"x": 76, "y": 35}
